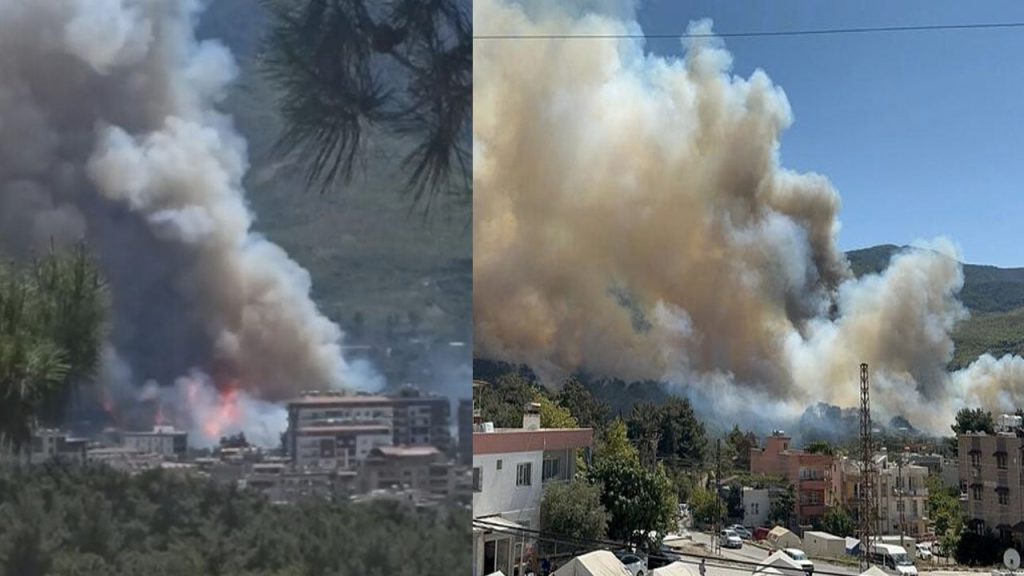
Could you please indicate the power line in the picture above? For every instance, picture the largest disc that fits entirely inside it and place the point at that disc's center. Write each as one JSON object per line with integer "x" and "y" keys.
{"x": 759, "y": 33}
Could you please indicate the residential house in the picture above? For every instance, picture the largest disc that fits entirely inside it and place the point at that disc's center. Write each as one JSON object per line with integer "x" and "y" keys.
{"x": 510, "y": 469}
{"x": 991, "y": 473}
{"x": 807, "y": 472}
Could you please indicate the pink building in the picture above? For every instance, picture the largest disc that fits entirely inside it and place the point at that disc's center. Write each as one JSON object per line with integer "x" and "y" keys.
{"x": 808, "y": 473}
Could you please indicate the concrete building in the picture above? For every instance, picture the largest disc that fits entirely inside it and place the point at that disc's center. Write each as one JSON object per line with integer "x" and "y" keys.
{"x": 902, "y": 492}
{"x": 420, "y": 468}
{"x": 339, "y": 431}
{"x": 991, "y": 471}
{"x": 756, "y": 506}
{"x": 341, "y": 447}
{"x": 47, "y": 444}
{"x": 511, "y": 467}
{"x": 163, "y": 440}
{"x": 808, "y": 473}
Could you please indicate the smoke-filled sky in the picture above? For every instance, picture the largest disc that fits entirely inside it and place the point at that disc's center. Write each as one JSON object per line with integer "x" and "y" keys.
{"x": 921, "y": 124}
{"x": 109, "y": 131}
{"x": 633, "y": 219}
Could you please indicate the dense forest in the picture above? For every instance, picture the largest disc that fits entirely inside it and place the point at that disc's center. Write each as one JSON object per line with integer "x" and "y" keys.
{"x": 64, "y": 520}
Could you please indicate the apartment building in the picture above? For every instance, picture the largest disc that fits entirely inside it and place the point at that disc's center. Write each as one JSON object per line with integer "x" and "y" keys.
{"x": 807, "y": 472}
{"x": 902, "y": 492}
{"x": 510, "y": 469}
{"x": 334, "y": 431}
{"x": 991, "y": 473}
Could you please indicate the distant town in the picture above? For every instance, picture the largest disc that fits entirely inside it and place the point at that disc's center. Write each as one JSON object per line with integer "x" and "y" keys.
{"x": 573, "y": 490}
{"x": 397, "y": 446}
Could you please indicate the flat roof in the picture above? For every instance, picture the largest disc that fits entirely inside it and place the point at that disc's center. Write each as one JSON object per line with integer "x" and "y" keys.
{"x": 409, "y": 451}
{"x": 338, "y": 399}
{"x": 504, "y": 441}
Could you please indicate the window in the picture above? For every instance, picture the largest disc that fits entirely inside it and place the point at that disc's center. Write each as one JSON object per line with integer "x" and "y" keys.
{"x": 975, "y": 459}
{"x": 1004, "y": 497}
{"x": 976, "y": 492}
{"x": 1001, "y": 460}
{"x": 550, "y": 468}
{"x": 478, "y": 479}
{"x": 524, "y": 474}
{"x": 499, "y": 464}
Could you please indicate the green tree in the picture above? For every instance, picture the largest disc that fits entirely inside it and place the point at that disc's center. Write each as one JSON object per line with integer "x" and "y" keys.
{"x": 552, "y": 415}
{"x": 683, "y": 437}
{"x": 347, "y": 69}
{"x": 51, "y": 328}
{"x": 976, "y": 420}
{"x": 642, "y": 503}
{"x": 706, "y": 507}
{"x": 819, "y": 447}
{"x": 738, "y": 446}
{"x": 838, "y": 521}
{"x": 588, "y": 411}
{"x": 645, "y": 430}
{"x": 783, "y": 506}
{"x": 614, "y": 444}
{"x": 945, "y": 513}
{"x": 574, "y": 510}
{"x": 504, "y": 400}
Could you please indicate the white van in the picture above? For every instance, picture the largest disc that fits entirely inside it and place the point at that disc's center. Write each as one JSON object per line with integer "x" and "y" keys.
{"x": 893, "y": 559}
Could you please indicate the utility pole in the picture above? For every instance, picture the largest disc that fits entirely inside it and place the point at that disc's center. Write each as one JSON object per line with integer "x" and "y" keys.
{"x": 867, "y": 480}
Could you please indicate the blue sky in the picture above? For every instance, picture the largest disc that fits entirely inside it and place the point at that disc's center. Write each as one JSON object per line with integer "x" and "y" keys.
{"x": 921, "y": 132}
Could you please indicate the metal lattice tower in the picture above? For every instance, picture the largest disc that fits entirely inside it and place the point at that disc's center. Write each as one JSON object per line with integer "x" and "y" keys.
{"x": 868, "y": 509}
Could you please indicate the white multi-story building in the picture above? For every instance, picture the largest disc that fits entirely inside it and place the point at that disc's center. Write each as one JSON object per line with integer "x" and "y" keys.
{"x": 511, "y": 467}
{"x": 333, "y": 431}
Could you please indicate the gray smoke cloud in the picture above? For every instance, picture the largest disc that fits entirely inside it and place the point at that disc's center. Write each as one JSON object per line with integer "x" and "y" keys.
{"x": 109, "y": 131}
{"x": 632, "y": 218}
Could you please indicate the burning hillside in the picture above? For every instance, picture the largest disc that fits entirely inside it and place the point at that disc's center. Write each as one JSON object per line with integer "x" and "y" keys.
{"x": 632, "y": 219}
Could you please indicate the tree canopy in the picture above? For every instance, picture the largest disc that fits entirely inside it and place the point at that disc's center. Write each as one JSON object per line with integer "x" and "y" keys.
{"x": 350, "y": 69}
{"x": 574, "y": 510}
{"x": 52, "y": 318}
{"x": 641, "y": 502}
{"x": 71, "y": 520}
{"x": 974, "y": 420}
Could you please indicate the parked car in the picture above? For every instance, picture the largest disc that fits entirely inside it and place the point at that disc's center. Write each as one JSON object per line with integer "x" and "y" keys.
{"x": 800, "y": 558}
{"x": 761, "y": 533}
{"x": 924, "y": 551}
{"x": 636, "y": 565}
{"x": 741, "y": 531}
{"x": 730, "y": 539}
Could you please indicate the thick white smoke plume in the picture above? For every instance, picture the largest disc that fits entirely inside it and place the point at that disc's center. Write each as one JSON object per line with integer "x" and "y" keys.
{"x": 109, "y": 131}
{"x": 632, "y": 219}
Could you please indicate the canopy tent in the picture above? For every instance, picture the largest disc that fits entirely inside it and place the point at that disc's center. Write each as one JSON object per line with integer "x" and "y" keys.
{"x": 598, "y": 563}
{"x": 676, "y": 569}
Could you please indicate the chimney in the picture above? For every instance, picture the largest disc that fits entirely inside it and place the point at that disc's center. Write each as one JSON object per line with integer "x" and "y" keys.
{"x": 531, "y": 417}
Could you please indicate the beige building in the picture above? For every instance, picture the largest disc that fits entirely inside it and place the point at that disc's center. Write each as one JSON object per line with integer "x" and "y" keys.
{"x": 991, "y": 469}
{"x": 902, "y": 487}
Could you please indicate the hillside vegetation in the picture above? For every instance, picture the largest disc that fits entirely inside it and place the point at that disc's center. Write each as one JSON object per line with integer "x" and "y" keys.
{"x": 994, "y": 296}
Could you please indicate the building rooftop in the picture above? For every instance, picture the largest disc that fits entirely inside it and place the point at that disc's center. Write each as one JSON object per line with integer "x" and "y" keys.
{"x": 407, "y": 451}
{"x": 504, "y": 440}
{"x": 338, "y": 399}
{"x": 355, "y": 428}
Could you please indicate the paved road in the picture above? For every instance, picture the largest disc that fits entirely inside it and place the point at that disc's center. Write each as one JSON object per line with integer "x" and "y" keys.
{"x": 751, "y": 553}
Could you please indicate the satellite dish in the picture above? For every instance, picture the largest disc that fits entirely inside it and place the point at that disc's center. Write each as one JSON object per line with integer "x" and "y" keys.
{"x": 1011, "y": 558}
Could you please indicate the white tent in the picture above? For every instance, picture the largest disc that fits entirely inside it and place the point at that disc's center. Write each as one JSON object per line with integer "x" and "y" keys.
{"x": 874, "y": 571}
{"x": 676, "y": 569}
{"x": 498, "y": 573}
{"x": 777, "y": 563}
{"x": 599, "y": 563}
